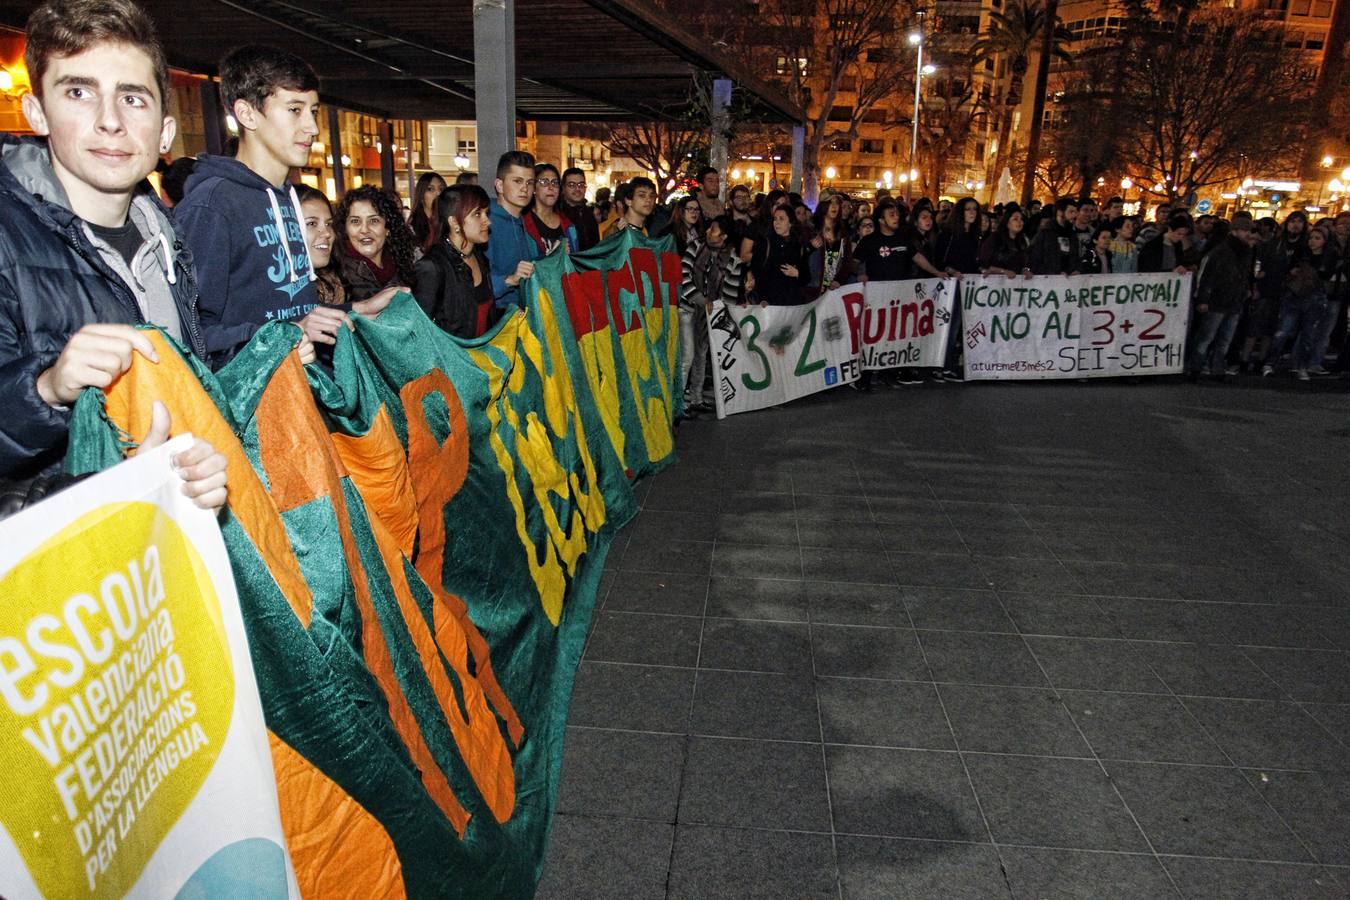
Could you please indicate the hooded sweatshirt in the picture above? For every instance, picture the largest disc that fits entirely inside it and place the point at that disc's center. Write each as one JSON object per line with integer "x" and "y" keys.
{"x": 248, "y": 241}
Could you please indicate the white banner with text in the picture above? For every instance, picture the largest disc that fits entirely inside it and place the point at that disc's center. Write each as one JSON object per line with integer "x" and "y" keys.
{"x": 1074, "y": 326}
{"x": 131, "y": 735}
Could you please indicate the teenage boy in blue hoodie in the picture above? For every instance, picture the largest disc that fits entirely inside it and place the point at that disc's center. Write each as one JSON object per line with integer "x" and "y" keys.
{"x": 241, "y": 218}
{"x": 511, "y": 251}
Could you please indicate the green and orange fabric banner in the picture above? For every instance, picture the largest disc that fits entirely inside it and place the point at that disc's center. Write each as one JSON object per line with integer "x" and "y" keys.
{"x": 417, "y": 538}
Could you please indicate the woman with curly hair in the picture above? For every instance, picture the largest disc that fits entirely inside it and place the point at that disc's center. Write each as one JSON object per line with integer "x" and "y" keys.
{"x": 377, "y": 250}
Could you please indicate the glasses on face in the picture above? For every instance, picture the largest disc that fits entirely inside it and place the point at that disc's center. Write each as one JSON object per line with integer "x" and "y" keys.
{"x": 691, "y": 209}
{"x": 574, "y": 185}
{"x": 546, "y": 182}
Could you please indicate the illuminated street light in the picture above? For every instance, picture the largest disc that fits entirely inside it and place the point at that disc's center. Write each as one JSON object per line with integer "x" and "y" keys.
{"x": 831, "y": 172}
{"x": 928, "y": 69}
{"x": 915, "y": 38}
{"x": 461, "y": 161}
{"x": 1126, "y": 183}
{"x": 913, "y": 174}
{"x": 1327, "y": 161}
{"x": 1345, "y": 174}
{"x": 749, "y": 173}
{"x": 736, "y": 174}
{"x": 888, "y": 175}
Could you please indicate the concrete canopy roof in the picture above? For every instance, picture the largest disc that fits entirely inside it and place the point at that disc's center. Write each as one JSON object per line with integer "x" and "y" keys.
{"x": 413, "y": 59}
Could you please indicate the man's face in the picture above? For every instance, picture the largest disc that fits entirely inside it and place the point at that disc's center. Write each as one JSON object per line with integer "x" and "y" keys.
{"x": 574, "y": 189}
{"x": 891, "y": 219}
{"x": 740, "y": 201}
{"x": 1342, "y": 227}
{"x": 1114, "y": 211}
{"x": 715, "y": 237}
{"x": 712, "y": 183}
{"x": 644, "y": 201}
{"x": 103, "y": 118}
{"x": 286, "y": 125}
{"x": 1087, "y": 214}
{"x": 1249, "y": 236}
{"x": 516, "y": 187}
{"x": 1204, "y": 225}
{"x": 1296, "y": 225}
{"x": 1070, "y": 214}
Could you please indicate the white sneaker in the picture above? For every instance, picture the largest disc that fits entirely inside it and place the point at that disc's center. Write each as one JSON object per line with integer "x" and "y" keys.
{"x": 1267, "y": 371}
{"x": 1317, "y": 370}
{"x": 1302, "y": 375}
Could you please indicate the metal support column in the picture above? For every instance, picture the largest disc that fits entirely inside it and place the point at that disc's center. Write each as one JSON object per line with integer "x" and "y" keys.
{"x": 721, "y": 124}
{"x": 213, "y": 118}
{"x": 385, "y": 130}
{"x": 798, "y": 157}
{"x": 335, "y": 149}
{"x": 494, "y": 81}
{"x": 408, "y": 156}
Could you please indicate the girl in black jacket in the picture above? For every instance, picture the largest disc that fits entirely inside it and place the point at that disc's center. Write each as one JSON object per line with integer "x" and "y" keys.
{"x": 780, "y": 263}
{"x": 1005, "y": 251}
{"x": 454, "y": 284}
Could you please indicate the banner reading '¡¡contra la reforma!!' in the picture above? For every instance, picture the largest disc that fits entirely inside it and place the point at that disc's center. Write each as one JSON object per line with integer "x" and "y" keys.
{"x": 1076, "y": 326}
{"x": 767, "y": 355}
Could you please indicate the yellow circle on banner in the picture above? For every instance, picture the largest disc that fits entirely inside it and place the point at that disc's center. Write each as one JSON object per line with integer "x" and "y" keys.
{"x": 116, "y": 693}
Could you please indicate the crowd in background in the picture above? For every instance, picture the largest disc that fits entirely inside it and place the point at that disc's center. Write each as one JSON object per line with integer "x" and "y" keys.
{"x": 93, "y": 252}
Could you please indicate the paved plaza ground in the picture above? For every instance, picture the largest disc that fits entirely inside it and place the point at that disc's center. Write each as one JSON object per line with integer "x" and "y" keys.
{"x": 989, "y": 641}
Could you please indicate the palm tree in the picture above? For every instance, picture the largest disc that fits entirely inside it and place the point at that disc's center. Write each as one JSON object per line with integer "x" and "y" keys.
{"x": 1014, "y": 33}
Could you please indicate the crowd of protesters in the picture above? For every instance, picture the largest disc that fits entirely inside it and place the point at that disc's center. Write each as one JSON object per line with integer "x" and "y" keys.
{"x": 1264, "y": 292}
{"x": 92, "y": 251}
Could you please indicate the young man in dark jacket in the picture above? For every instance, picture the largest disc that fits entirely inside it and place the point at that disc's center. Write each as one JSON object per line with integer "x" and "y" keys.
{"x": 1168, "y": 251}
{"x": 86, "y": 248}
{"x": 578, "y": 211}
{"x": 1225, "y": 286}
{"x": 1054, "y": 249}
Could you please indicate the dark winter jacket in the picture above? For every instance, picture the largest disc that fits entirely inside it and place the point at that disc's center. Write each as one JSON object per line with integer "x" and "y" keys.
{"x": 583, "y": 217}
{"x": 55, "y": 279}
{"x": 1152, "y": 256}
{"x": 446, "y": 292}
{"x": 1226, "y": 277}
{"x": 959, "y": 251}
{"x": 999, "y": 252}
{"x": 772, "y": 285}
{"x": 1054, "y": 249}
{"x": 248, "y": 242}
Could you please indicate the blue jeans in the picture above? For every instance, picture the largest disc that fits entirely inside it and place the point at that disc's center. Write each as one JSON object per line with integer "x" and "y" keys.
{"x": 1212, "y": 334}
{"x": 1303, "y": 319}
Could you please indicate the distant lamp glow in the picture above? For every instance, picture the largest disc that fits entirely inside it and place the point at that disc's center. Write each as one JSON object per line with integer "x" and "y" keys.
{"x": 1126, "y": 183}
{"x": 1194, "y": 155}
{"x": 346, "y": 160}
{"x": 888, "y": 175}
{"x": 913, "y": 174}
{"x": 878, "y": 185}
{"x": 1326, "y": 160}
{"x": 1345, "y": 174}
{"x": 831, "y": 172}
{"x": 904, "y": 178}
{"x": 979, "y": 185}
{"x": 1336, "y": 185}
{"x": 736, "y": 174}
{"x": 749, "y": 173}
{"x": 929, "y": 68}
{"x": 1159, "y": 187}
{"x": 916, "y": 38}
{"x": 461, "y": 161}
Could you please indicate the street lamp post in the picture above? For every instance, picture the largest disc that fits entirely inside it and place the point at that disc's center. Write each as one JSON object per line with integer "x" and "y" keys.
{"x": 915, "y": 38}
